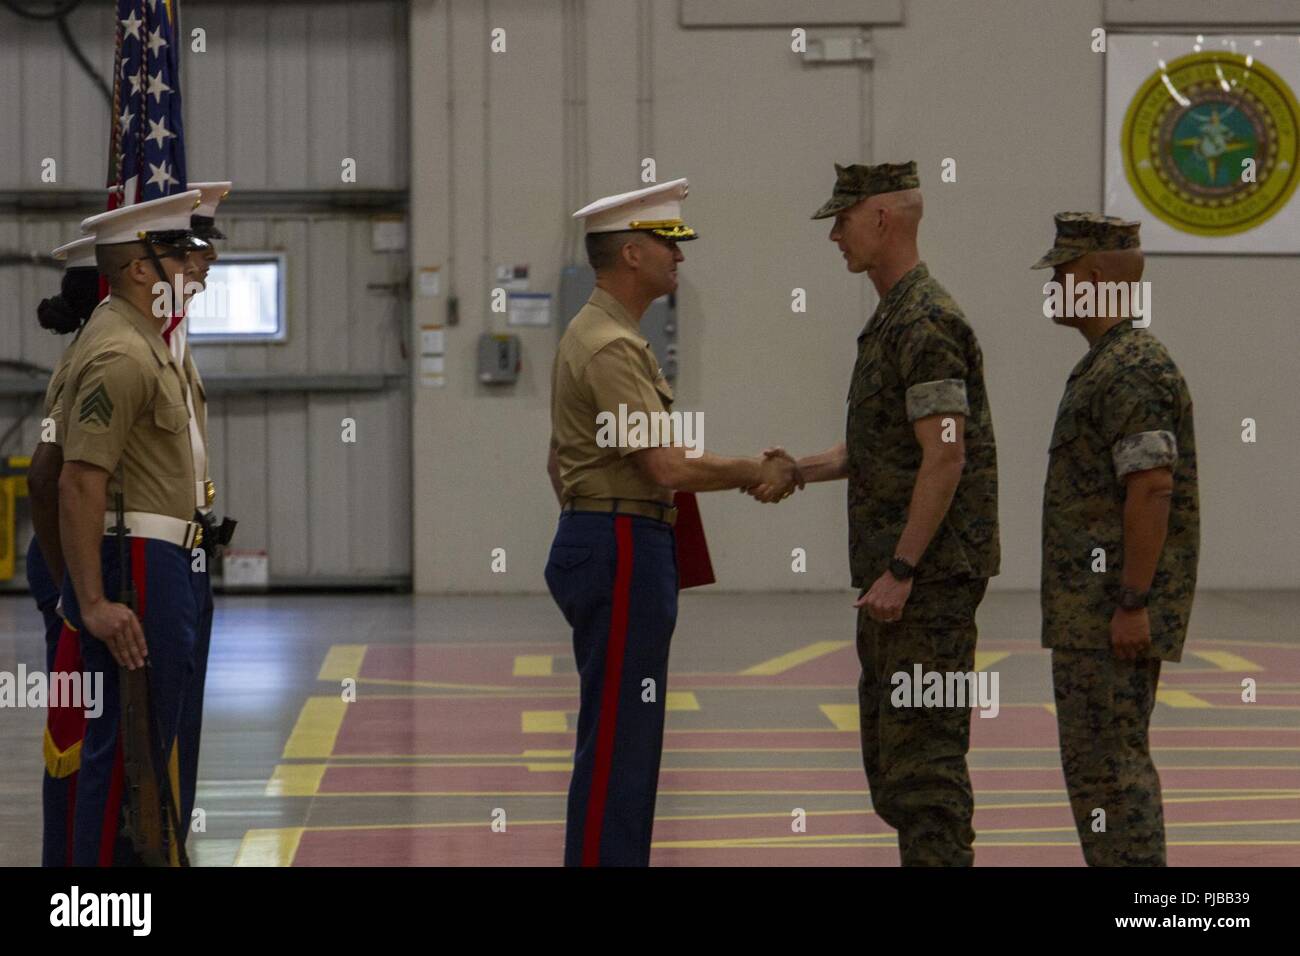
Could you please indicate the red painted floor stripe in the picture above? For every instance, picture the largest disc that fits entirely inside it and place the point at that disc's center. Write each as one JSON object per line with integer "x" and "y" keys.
{"x": 543, "y": 845}
{"x": 492, "y": 664}
{"x": 607, "y": 722}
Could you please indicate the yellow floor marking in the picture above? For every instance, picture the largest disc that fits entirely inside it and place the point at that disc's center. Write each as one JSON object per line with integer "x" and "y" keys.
{"x": 546, "y": 754}
{"x": 1197, "y": 728}
{"x": 445, "y": 691}
{"x": 269, "y": 847}
{"x": 342, "y": 662}
{"x": 317, "y": 728}
{"x": 1235, "y": 843}
{"x": 681, "y": 700}
{"x": 808, "y": 840}
{"x": 771, "y": 791}
{"x": 544, "y": 721}
{"x": 986, "y": 659}
{"x": 1051, "y": 709}
{"x": 983, "y": 843}
{"x": 785, "y": 662}
{"x": 1243, "y": 704}
{"x": 513, "y": 689}
{"x": 1292, "y": 795}
{"x": 843, "y": 716}
{"x": 1031, "y": 644}
{"x": 1181, "y": 698}
{"x": 1227, "y": 661}
{"x": 568, "y": 765}
{"x": 751, "y": 815}
{"x": 295, "y": 780}
{"x": 534, "y": 665}
{"x": 858, "y": 792}
{"x": 1233, "y": 749}
{"x": 1279, "y": 686}
{"x": 566, "y": 762}
{"x": 1247, "y": 642}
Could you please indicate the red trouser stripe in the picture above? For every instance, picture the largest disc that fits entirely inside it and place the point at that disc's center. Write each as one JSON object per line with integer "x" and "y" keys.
{"x": 112, "y": 809}
{"x": 113, "y": 806}
{"x": 138, "y": 576}
{"x": 613, "y": 685}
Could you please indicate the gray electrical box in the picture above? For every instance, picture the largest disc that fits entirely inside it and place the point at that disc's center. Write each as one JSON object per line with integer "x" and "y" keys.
{"x": 498, "y": 359}
{"x": 658, "y": 325}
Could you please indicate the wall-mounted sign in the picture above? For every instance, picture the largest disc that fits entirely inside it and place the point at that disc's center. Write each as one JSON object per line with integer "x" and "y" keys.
{"x": 1203, "y": 140}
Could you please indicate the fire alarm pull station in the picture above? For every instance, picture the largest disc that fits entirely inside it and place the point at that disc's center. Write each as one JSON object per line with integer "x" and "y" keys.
{"x": 498, "y": 359}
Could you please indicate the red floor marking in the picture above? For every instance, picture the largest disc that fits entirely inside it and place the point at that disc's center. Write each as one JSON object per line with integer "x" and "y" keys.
{"x": 480, "y": 664}
{"x": 1224, "y": 699}
{"x": 422, "y": 725}
{"x": 494, "y": 664}
{"x": 1221, "y": 739}
{"x": 1275, "y": 665}
{"x": 542, "y": 845}
{"x": 449, "y": 725}
{"x": 518, "y": 846}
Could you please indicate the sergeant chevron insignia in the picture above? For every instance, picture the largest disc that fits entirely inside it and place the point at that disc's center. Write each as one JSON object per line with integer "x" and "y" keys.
{"x": 97, "y": 407}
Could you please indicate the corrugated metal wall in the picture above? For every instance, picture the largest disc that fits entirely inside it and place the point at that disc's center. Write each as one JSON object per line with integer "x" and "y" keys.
{"x": 282, "y": 95}
{"x": 283, "y": 92}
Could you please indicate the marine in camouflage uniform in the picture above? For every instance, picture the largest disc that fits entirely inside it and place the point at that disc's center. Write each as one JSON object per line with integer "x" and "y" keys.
{"x": 917, "y": 357}
{"x": 1126, "y": 410}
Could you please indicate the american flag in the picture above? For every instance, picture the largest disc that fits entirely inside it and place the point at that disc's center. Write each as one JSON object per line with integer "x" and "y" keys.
{"x": 147, "y": 144}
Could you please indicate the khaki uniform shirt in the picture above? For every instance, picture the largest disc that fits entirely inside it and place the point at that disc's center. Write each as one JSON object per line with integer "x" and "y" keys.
{"x": 124, "y": 403}
{"x": 917, "y": 357}
{"x": 1126, "y": 408}
{"x": 603, "y": 363}
{"x": 54, "y": 391}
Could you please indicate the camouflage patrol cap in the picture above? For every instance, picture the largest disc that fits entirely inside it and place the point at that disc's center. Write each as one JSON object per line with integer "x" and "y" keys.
{"x": 855, "y": 183}
{"x": 1079, "y": 233}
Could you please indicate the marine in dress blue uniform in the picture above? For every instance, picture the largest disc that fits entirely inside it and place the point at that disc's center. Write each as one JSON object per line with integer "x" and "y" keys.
{"x": 613, "y": 567}
{"x": 132, "y": 420}
{"x": 203, "y": 225}
{"x": 613, "y": 564}
{"x": 61, "y": 314}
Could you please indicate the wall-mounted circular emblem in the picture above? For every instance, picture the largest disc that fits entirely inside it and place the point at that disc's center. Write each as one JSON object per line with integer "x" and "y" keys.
{"x": 1188, "y": 131}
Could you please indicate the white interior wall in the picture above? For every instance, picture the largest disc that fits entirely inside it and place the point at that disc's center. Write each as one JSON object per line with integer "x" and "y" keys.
{"x": 1010, "y": 90}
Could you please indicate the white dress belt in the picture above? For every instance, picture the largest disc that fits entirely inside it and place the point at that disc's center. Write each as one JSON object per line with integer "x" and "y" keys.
{"x": 144, "y": 524}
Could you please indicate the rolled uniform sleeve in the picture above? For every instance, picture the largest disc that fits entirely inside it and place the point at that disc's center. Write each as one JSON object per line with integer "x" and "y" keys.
{"x": 620, "y": 374}
{"x": 109, "y": 395}
{"x": 54, "y": 395}
{"x": 934, "y": 370}
{"x": 54, "y": 412}
{"x": 1139, "y": 418}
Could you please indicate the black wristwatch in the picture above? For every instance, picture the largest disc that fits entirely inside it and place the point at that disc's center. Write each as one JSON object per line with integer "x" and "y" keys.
{"x": 900, "y": 569}
{"x": 1131, "y": 599}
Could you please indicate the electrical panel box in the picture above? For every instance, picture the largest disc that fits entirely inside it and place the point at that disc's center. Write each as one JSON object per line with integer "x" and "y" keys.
{"x": 498, "y": 359}
{"x": 658, "y": 325}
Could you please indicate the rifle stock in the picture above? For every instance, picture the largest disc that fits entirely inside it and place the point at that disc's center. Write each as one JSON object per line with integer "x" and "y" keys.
{"x": 150, "y": 821}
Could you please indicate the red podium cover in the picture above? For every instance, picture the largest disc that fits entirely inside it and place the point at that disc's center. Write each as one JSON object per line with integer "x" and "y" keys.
{"x": 693, "y": 565}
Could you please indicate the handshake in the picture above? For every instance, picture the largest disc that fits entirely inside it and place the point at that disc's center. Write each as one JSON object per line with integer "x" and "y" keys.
{"x": 779, "y": 477}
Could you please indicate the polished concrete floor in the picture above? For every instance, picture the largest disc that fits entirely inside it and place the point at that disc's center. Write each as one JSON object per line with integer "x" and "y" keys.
{"x": 465, "y": 709}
